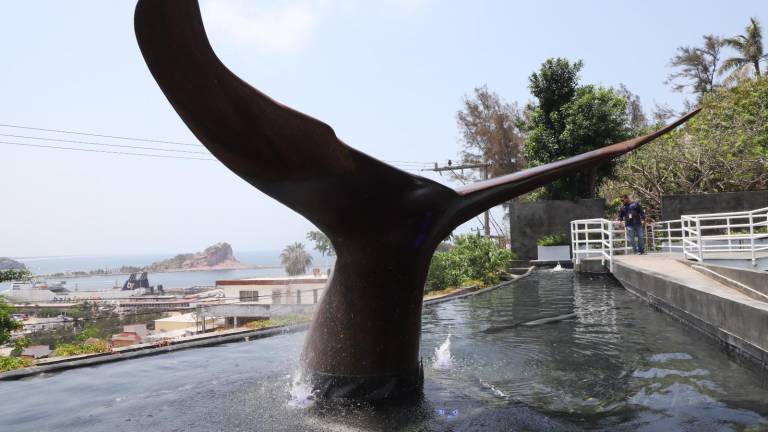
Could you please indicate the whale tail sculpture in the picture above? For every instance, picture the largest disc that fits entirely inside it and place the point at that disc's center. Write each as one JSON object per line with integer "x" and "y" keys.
{"x": 384, "y": 223}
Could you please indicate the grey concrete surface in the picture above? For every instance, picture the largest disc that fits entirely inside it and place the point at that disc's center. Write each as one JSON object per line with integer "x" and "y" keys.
{"x": 753, "y": 278}
{"x": 530, "y": 221}
{"x": 673, "y": 206}
{"x": 728, "y": 315}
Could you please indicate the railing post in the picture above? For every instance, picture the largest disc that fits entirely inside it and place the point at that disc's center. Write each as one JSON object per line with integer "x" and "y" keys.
{"x": 610, "y": 245}
{"x": 298, "y": 296}
{"x": 728, "y": 232}
{"x": 669, "y": 234}
{"x": 752, "y": 239}
{"x": 602, "y": 245}
{"x": 574, "y": 246}
{"x": 698, "y": 240}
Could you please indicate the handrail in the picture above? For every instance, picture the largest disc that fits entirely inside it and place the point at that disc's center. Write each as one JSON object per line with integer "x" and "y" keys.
{"x": 584, "y": 245}
{"x": 694, "y": 236}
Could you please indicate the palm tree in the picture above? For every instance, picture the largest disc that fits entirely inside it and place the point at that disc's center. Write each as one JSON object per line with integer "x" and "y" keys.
{"x": 750, "y": 48}
{"x": 295, "y": 259}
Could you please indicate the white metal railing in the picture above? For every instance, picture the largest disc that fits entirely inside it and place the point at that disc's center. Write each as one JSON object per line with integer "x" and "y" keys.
{"x": 736, "y": 232}
{"x": 597, "y": 238}
{"x": 694, "y": 236}
{"x": 665, "y": 236}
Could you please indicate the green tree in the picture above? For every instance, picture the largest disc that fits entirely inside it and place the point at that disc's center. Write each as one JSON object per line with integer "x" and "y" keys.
{"x": 15, "y": 275}
{"x": 697, "y": 67}
{"x": 322, "y": 243}
{"x": 723, "y": 149}
{"x": 490, "y": 131}
{"x": 7, "y": 323}
{"x": 568, "y": 119}
{"x": 295, "y": 259}
{"x": 750, "y": 48}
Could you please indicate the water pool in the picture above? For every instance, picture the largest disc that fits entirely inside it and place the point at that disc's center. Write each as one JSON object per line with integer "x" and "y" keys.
{"x": 616, "y": 365}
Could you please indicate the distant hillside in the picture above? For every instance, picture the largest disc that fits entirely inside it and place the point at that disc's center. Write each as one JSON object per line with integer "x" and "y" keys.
{"x": 218, "y": 256}
{"x": 9, "y": 264}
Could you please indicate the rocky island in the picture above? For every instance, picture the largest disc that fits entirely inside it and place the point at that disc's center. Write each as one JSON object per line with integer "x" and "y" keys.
{"x": 216, "y": 257}
{"x": 9, "y": 264}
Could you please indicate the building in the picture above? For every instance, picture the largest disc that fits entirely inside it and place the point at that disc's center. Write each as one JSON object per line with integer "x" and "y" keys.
{"x": 154, "y": 303}
{"x": 282, "y": 290}
{"x": 34, "y": 352}
{"x": 187, "y": 321}
{"x": 125, "y": 339}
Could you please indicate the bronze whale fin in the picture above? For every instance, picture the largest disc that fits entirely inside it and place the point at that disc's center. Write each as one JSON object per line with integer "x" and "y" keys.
{"x": 384, "y": 223}
{"x": 275, "y": 148}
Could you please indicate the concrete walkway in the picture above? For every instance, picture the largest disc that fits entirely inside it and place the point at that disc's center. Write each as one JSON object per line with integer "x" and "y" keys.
{"x": 708, "y": 302}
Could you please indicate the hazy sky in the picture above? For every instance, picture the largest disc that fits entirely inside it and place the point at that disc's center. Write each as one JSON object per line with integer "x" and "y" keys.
{"x": 389, "y": 78}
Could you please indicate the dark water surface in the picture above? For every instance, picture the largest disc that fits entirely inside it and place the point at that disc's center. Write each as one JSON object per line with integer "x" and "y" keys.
{"x": 616, "y": 366}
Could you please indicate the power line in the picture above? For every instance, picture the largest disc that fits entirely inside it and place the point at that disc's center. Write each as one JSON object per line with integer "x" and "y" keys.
{"x": 103, "y": 144}
{"x": 98, "y": 135}
{"x": 400, "y": 164}
{"x": 409, "y": 169}
{"x": 104, "y": 151}
{"x": 409, "y": 166}
{"x": 484, "y": 167}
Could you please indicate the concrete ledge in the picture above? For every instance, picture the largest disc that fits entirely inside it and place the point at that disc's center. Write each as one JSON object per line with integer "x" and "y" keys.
{"x": 460, "y": 295}
{"x": 755, "y": 279}
{"x": 738, "y": 322}
{"x": 591, "y": 265}
{"x": 141, "y": 350}
{"x": 738, "y": 286}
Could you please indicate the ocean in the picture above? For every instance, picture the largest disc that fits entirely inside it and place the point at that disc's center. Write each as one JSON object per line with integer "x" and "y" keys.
{"x": 183, "y": 279}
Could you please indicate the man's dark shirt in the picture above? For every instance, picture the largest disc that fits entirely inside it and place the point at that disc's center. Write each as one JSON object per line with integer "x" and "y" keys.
{"x": 632, "y": 213}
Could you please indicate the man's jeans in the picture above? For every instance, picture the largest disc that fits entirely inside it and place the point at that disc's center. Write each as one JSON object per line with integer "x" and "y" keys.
{"x": 638, "y": 244}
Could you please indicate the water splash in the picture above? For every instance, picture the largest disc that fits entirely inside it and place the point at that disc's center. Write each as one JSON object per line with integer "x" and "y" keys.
{"x": 300, "y": 392}
{"x": 443, "y": 358}
{"x": 558, "y": 267}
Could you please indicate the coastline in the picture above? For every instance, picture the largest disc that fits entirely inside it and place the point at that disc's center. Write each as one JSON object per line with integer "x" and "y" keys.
{"x": 195, "y": 269}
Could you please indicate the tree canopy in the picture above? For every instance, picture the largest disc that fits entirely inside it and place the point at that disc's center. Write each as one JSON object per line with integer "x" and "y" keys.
{"x": 7, "y": 323}
{"x": 322, "y": 243}
{"x": 750, "y": 53}
{"x": 490, "y": 131}
{"x": 697, "y": 67}
{"x": 295, "y": 259}
{"x": 15, "y": 275}
{"x": 723, "y": 149}
{"x": 567, "y": 119}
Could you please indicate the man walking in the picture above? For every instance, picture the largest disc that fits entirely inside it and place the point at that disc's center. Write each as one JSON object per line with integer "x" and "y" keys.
{"x": 633, "y": 216}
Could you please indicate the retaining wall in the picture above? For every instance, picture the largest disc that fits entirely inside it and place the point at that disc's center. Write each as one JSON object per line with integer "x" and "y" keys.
{"x": 528, "y": 222}
{"x": 673, "y": 206}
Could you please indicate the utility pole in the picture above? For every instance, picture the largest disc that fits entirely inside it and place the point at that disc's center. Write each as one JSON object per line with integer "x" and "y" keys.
{"x": 484, "y": 167}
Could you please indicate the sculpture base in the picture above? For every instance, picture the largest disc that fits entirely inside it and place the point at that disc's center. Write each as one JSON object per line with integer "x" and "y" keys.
{"x": 369, "y": 388}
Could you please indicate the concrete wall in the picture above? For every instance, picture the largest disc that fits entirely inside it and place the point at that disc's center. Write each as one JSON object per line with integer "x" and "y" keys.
{"x": 673, "y": 206}
{"x": 531, "y": 221}
{"x": 737, "y": 322}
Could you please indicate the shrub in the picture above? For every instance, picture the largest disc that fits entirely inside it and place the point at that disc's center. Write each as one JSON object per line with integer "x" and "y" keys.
{"x": 11, "y": 363}
{"x": 279, "y": 321}
{"x": 471, "y": 257}
{"x": 560, "y": 239}
{"x": 68, "y": 350}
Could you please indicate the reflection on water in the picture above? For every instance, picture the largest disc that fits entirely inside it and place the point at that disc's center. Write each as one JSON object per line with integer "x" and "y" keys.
{"x": 618, "y": 365}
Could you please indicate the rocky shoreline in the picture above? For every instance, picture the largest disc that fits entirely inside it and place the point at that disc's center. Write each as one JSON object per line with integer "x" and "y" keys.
{"x": 215, "y": 257}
